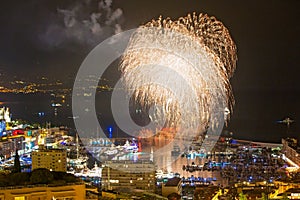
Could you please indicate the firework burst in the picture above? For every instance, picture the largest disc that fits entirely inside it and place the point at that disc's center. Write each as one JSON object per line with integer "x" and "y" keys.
{"x": 182, "y": 69}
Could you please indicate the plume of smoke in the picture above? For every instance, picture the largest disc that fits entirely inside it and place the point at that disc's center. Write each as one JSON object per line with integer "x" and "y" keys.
{"x": 83, "y": 23}
{"x": 114, "y": 16}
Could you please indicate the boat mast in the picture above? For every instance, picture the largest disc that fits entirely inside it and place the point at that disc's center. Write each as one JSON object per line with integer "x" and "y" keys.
{"x": 77, "y": 146}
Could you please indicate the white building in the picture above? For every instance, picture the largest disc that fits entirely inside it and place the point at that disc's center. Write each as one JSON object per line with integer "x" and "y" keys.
{"x": 5, "y": 114}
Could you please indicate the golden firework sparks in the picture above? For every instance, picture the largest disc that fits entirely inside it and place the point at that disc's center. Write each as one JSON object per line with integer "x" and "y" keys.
{"x": 182, "y": 68}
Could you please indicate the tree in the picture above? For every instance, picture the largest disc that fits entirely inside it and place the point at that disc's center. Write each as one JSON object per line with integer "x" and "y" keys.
{"x": 174, "y": 196}
{"x": 285, "y": 196}
{"x": 19, "y": 178}
{"x": 63, "y": 176}
{"x": 17, "y": 165}
{"x": 3, "y": 179}
{"x": 41, "y": 176}
{"x": 242, "y": 196}
{"x": 264, "y": 196}
{"x": 1, "y": 156}
{"x": 70, "y": 178}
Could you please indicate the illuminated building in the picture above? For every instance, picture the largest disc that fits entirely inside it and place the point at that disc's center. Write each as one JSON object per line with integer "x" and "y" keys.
{"x": 70, "y": 192}
{"x": 128, "y": 174}
{"x": 6, "y": 148}
{"x": 5, "y": 114}
{"x": 290, "y": 150}
{"x": 2, "y": 128}
{"x": 52, "y": 159}
{"x": 9, "y": 146}
{"x": 283, "y": 186}
{"x": 4, "y": 119}
{"x": 56, "y": 131}
{"x": 173, "y": 185}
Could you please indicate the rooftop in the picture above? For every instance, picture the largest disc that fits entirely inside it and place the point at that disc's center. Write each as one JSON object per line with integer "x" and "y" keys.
{"x": 173, "y": 181}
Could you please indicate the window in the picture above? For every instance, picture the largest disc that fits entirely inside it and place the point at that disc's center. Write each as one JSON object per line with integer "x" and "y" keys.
{"x": 20, "y": 198}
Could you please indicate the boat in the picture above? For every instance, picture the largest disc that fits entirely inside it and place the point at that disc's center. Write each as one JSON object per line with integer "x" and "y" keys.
{"x": 160, "y": 174}
{"x": 133, "y": 148}
{"x": 110, "y": 152}
{"x": 77, "y": 163}
{"x": 95, "y": 172}
{"x": 176, "y": 150}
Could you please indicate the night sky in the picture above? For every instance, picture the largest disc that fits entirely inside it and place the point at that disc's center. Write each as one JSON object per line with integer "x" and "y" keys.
{"x": 54, "y": 36}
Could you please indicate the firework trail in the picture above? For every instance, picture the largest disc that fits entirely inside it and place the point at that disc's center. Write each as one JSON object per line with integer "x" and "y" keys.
{"x": 181, "y": 69}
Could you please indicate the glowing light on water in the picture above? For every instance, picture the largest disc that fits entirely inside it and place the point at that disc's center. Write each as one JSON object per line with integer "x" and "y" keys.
{"x": 182, "y": 69}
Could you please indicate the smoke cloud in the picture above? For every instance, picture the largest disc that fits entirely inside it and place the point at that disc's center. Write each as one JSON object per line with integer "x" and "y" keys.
{"x": 84, "y": 23}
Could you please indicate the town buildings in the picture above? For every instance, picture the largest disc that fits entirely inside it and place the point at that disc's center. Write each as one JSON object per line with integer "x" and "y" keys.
{"x": 173, "y": 185}
{"x": 128, "y": 174}
{"x": 44, "y": 192}
{"x": 52, "y": 159}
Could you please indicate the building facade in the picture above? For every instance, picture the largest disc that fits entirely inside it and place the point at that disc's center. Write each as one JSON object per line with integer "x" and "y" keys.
{"x": 67, "y": 192}
{"x": 289, "y": 148}
{"x": 173, "y": 185}
{"x": 9, "y": 146}
{"x": 52, "y": 159}
{"x": 128, "y": 174}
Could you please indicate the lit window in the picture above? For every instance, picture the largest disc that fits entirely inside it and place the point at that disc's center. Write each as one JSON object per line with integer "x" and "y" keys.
{"x": 20, "y": 198}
